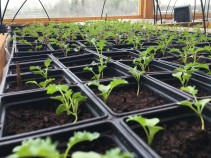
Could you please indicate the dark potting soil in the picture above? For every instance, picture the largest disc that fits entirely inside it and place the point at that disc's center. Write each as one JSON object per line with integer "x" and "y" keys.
{"x": 31, "y": 118}
{"x": 27, "y": 70}
{"x": 123, "y": 57}
{"x": 127, "y": 100}
{"x": 200, "y": 93}
{"x": 184, "y": 138}
{"x": 14, "y": 87}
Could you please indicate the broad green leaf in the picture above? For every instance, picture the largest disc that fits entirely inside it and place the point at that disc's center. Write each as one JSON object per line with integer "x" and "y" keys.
{"x": 36, "y": 148}
{"x": 152, "y": 131}
{"x": 115, "y": 82}
{"x": 62, "y": 108}
{"x": 80, "y": 137}
{"x": 59, "y": 98}
{"x": 203, "y": 103}
{"x": 88, "y": 68}
{"x": 47, "y": 63}
{"x": 104, "y": 88}
{"x": 190, "y": 89}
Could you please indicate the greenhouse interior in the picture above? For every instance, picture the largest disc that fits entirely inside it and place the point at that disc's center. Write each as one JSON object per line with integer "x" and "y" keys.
{"x": 105, "y": 79}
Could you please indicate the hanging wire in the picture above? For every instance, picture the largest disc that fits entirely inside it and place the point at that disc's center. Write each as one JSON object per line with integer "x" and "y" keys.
{"x": 103, "y": 9}
{"x": 44, "y": 10}
{"x": 18, "y": 11}
{"x": 23, "y": 5}
{"x": 161, "y": 19}
{"x": 202, "y": 7}
{"x": 173, "y": 8}
{"x": 4, "y": 11}
{"x": 167, "y": 8}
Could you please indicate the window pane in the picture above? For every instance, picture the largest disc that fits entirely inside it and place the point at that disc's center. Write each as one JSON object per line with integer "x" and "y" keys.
{"x": 176, "y": 3}
{"x": 71, "y": 8}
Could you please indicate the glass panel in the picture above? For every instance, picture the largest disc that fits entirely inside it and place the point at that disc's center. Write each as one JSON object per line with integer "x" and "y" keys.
{"x": 71, "y": 8}
{"x": 175, "y": 3}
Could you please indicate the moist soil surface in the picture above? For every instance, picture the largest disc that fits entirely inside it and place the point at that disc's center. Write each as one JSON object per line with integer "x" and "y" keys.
{"x": 14, "y": 87}
{"x": 30, "y": 118}
{"x": 185, "y": 139}
{"x": 200, "y": 93}
{"x": 127, "y": 100}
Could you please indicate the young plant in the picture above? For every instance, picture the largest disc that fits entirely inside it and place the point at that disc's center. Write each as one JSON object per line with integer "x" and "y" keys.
{"x": 149, "y": 125}
{"x": 100, "y": 68}
{"x": 103, "y": 63}
{"x": 196, "y": 105}
{"x": 184, "y": 73}
{"x": 137, "y": 75}
{"x": 61, "y": 44}
{"x": 43, "y": 72}
{"x": 70, "y": 101}
{"x": 183, "y": 54}
{"x": 107, "y": 89}
{"x": 112, "y": 153}
{"x": 145, "y": 58}
{"x": 46, "y": 148}
{"x": 36, "y": 148}
{"x": 164, "y": 41}
{"x": 136, "y": 41}
{"x": 80, "y": 137}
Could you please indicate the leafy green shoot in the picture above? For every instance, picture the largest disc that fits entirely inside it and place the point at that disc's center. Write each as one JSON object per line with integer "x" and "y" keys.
{"x": 39, "y": 71}
{"x": 100, "y": 68}
{"x": 70, "y": 101}
{"x": 112, "y": 153}
{"x": 196, "y": 105}
{"x": 36, "y": 148}
{"x": 137, "y": 75}
{"x": 184, "y": 73}
{"x": 80, "y": 137}
{"x": 145, "y": 58}
{"x": 46, "y": 148}
{"x": 43, "y": 72}
{"x": 107, "y": 89}
{"x": 149, "y": 125}
{"x": 42, "y": 84}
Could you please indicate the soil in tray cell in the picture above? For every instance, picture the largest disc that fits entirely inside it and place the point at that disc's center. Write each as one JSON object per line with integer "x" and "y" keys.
{"x": 31, "y": 118}
{"x": 184, "y": 138}
{"x": 127, "y": 100}
{"x": 13, "y": 87}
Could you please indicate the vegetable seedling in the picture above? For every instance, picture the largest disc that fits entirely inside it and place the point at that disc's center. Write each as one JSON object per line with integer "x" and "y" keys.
{"x": 184, "y": 73}
{"x": 149, "y": 125}
{"x": 137, "y": 75}
{"x": 196, "y": 105}
{"x": 70, "y": 101}
{"x": 43, "y": 72}
{"x": 46, "y": 148}
{"x": 107, "y": 89}
{"x": 145, "y": 58}
{"x": 36, "y": 148}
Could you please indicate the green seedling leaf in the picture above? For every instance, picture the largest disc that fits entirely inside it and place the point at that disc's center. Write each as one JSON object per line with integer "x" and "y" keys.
{"x": 80, "y": 137}
{"x": 137, "y": 75}
{"x": 149, "y": 126}
{"x": 107, "y": 89}
{"x": 70, "y": 101}
{"x": 196, "y": 105}
{"x": 36, "y": 148}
